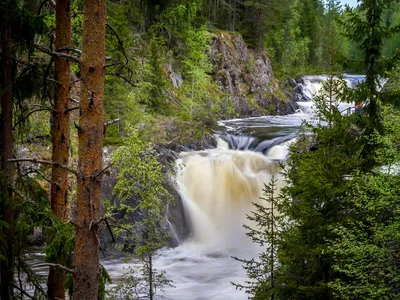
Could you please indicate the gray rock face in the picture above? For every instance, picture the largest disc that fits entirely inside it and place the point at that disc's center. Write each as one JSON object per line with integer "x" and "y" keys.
{"x": 247, "y": 75}
{"x": 174, "y": 76}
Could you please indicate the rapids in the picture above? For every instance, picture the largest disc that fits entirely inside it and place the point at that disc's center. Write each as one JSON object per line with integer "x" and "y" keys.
{"x": 217, "y": 188}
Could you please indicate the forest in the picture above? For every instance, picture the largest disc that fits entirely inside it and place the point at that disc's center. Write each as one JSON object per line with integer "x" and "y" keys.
{"x": 93, "y": 90}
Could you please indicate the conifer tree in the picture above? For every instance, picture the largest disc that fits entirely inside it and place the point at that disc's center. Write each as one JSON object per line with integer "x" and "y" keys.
{"x": 6, "y": 152}
{"x": 266, "y": 223}
{"x": 90, "y": 151}
{"x": 60, "y": 138}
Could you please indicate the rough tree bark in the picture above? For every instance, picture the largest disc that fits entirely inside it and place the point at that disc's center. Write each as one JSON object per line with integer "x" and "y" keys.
{"x": 90, "y": 131}
{"x": 60, "y": 139}
{"x": 6, "y": 152}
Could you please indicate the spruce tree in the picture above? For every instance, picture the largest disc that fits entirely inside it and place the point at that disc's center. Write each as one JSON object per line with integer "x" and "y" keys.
{"x": 265, "y": 225}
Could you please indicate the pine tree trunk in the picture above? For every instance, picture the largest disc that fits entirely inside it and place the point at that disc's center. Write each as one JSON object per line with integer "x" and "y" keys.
{"x": 6, "y": 153}
{"x": 60, "y": 139}
{"x": 90, "y": 132}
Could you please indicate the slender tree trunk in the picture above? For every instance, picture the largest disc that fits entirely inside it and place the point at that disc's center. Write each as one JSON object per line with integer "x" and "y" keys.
{"x": 6, "y": 152}
{"x": 60, "y": 139}
{"x": 151, "y": 292}
{"x": 90, "y": 134}
{"x": 272, "y": 240}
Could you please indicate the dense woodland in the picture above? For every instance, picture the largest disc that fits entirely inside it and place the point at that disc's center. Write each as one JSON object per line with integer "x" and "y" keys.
{"x": 77, "y": 75}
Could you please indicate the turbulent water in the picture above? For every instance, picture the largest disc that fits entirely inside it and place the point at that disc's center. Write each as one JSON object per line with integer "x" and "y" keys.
{"x": 217, "y": 188}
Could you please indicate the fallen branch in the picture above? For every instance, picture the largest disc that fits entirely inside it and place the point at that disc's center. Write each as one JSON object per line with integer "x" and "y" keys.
{"x": 45, "y": 162}
{"x": 54, "y": 266}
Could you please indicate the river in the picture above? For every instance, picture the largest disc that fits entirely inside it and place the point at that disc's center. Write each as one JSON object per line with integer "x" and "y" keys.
{"x": 217, "y": 187}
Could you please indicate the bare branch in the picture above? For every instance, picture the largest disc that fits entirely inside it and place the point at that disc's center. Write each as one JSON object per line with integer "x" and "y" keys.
{"x": 54, "y": 266}
{"x": 29, "y": 114}
{"x": 23, "y": 292}
{"x": 126, "y": 80}
{"x": 110, "y": 230}
{"x": 111, "y": 122}
{"x": 70, "y": 48}
{"x": 74, "y": 100}
{"x": 112, "y": 65}
{"x": 121, "y": 45}
{"x": 46, "y": 92}
{"x": 105, "y": 169}
{"x": 45, "y": 162}
{"x": 52, "y": 80}
{"x": 56, "y": 54}
{"x": 71, "y": 109}
{"x": 108, "y": 124}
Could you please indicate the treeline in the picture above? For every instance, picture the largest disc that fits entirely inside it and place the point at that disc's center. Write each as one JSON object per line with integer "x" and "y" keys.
{"x": 332, "y": 232}
{"x": 60, "y": 60}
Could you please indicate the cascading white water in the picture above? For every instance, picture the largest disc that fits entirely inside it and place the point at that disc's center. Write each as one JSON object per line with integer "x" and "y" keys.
{"x": 217, "y": 187}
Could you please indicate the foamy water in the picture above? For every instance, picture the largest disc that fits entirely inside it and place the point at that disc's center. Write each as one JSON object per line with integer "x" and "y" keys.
{"x": 217, "y": 187}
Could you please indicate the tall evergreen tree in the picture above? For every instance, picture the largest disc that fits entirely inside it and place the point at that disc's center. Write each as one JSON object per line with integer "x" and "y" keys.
{"x": 6, "y": 151}
{"x": 60, "y": 138}
{"x": 90, "y": 151}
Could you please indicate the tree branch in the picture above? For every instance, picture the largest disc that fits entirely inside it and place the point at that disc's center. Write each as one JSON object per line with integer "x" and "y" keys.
{"x": 73, "y": 100}
{"x": 111, "y": 122}
{"x": 126, "y": 80}
{"x": 56, "y": 54}
{"x": 105, "y": 169}
{"x": 45, "y": 162}
{"x": 23, "y": 292}
{"x": 30, "y": 113}
{"x": 54, "y": 266}
{"x": 71, "y": 109}
{"x": 69, "y": 48}
{"x": 121, "y": 45}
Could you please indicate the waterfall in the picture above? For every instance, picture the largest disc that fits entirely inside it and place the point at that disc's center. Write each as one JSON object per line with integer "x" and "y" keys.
{"x": 218, "y": 188}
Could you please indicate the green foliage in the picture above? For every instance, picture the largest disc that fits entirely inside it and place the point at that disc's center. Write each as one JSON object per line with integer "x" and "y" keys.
{"x": 143, "y": 199}
{"x": 134, "y": 284}
{"x": 60, "y": 241}
{"x": 365, "y": 250}
{"x": 265, "y": 227}
{"x": 104, "y": 279}
{"x": 140, "y": 174}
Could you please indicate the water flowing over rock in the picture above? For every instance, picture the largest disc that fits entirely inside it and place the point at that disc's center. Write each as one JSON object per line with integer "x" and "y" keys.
{"x": 216, "y": 184}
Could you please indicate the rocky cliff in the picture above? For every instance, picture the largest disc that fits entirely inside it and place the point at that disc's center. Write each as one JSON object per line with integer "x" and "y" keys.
{"x": 246, "y": 74}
